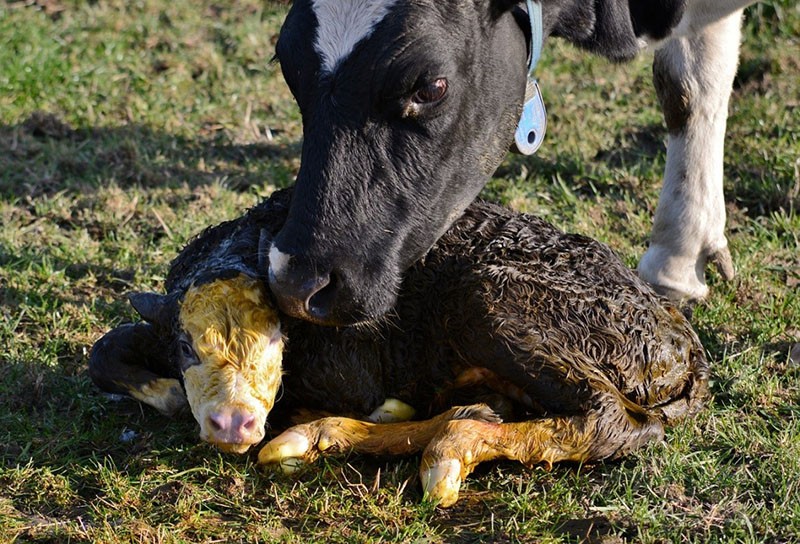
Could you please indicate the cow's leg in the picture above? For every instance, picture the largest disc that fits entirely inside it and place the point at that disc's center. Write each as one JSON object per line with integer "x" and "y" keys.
{"x": 693, "y": 76}
{"x": 461, "y": 445}
{"x": 304, "y": 443}
{"x": 132, "y": 360}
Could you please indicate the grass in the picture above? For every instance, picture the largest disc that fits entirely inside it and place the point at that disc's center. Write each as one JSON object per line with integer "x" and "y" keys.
{"x": 125, "y": 127}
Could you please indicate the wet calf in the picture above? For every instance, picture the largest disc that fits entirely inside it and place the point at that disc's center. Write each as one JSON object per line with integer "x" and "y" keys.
{"x": 509, "y": 339}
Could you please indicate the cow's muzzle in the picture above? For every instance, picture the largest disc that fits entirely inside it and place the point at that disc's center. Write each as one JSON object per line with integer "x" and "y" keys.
{"x": 306, "y": 297}
{"x": 311, "y": 291}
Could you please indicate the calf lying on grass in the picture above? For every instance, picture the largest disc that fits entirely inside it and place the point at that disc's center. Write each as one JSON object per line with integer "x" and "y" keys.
{"x": 579, "y": 357}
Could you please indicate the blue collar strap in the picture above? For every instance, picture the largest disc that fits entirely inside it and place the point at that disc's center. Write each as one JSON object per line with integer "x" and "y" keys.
{"x": 533, "y": 121}
{"x": 537, "y": 38}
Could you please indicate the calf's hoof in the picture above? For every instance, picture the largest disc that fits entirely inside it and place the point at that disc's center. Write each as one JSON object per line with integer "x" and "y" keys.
{"x": 392, "y": 411}
{"x": 304, "y": 443}
{"x": 441, "y": 482}
{"x": 288, "y": 450}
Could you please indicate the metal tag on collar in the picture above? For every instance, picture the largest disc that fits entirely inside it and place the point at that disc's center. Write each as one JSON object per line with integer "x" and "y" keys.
{"x": 533, "y": 121}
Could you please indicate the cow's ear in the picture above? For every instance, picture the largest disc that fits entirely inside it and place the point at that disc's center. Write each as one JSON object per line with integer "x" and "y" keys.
{"x": 501, "y": 6}
{"x": 155, "y": 308}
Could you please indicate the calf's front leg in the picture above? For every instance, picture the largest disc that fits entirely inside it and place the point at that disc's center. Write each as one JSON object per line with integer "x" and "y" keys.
{"x": 693, "y": 76}
{"x": 305, "y": 443}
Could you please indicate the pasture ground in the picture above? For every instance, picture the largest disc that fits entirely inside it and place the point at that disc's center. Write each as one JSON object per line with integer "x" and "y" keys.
{"x": 125, "y": 127}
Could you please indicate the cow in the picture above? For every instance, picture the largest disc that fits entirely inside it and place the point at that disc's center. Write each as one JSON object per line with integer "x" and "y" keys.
{"x": 509, "y": 339}
{"x": 409, "y": 107}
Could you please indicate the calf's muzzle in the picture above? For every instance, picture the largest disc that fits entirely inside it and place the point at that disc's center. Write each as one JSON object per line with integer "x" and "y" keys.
{"x": 233, "y": 427}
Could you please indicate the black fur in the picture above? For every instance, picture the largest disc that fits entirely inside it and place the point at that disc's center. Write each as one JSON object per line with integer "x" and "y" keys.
{"x": 376, "y": 188}
{"x": 557, "y": 315}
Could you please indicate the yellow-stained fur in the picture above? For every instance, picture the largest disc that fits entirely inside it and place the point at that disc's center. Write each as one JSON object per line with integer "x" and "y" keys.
{"x": 237, "y": 339}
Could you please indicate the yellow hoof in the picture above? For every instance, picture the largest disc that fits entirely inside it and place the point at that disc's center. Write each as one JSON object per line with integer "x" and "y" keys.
{"x": 392, "y": 411}
{"x": 291, "y": 465}
{"x": 290, "y": 444}
{"x": 441, "y": 482}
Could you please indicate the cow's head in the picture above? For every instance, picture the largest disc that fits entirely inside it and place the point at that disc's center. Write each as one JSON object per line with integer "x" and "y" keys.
{"x": 228, "y": 346}
{"x": 408, "y": 108}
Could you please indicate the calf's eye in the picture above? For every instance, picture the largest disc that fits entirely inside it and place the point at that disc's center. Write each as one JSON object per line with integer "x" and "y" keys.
{"x": 186, "y": 349}
{"x": 188, "y": 357}
{"x": 430, "y": 93}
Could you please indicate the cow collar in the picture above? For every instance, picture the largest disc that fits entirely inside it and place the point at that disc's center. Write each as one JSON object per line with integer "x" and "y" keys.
{"x": 537, "y": 35}
{"x": 533, "y": 121}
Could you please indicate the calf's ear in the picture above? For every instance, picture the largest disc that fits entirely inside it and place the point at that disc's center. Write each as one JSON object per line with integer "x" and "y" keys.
{"x": 155, "y": 308}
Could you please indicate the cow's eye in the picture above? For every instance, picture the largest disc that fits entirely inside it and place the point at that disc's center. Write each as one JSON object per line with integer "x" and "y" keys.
{"x": 430, "y": 93}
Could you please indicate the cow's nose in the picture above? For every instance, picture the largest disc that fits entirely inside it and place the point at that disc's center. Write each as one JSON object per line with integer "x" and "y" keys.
{"x": 310, "y": 299}
{"x": 306, "y": 296}
{"x": 229, "y": 425}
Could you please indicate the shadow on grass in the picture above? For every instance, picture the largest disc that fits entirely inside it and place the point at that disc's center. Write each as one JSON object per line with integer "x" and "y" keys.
{"x": 760, "y": 187}
{"x": 57, "y": 419}
{"x": 105, "y": 277}
{"x": 628, "y": 171}
{"x": 44, "y": 155}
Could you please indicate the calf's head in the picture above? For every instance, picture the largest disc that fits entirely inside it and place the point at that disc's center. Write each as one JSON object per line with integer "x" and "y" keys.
{"x": 408, "y": 108}
{"x": 227, "y": 344}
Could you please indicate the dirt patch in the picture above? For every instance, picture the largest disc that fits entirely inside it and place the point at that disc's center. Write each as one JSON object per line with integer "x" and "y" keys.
{"x": 46, "y": 125}
{"x": 595, "y": 530}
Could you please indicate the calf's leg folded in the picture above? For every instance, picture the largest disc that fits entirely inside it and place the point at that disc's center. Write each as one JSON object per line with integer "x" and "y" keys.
{"x": 328, "y": 435}
{"x": 461, "y": 445}
{"x": 132, "y": 360}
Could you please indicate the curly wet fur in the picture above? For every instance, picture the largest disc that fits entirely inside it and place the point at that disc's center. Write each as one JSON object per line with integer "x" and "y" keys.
{"x": 558, "y": 315}
{"x": 588, "y": 347}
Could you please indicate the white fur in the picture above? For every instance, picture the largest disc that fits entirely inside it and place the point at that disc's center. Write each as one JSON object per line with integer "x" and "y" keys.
{"x": 689, "y": 223}
{"x": 699, "y": 15}
{"x": 278, "y": 261}
{"x": 344, "y": 23}
{"x": 702, "y": 13}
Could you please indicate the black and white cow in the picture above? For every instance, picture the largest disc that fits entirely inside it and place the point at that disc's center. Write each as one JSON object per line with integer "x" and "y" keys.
{"x": 409, "y": 106}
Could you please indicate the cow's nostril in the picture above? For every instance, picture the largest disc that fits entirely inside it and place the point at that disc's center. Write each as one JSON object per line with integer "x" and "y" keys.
{"x": 231, "y": 425}
{"x": 312, "y": 298}
{"x": 319, "y": 304}
{"x": 311, "y": 288}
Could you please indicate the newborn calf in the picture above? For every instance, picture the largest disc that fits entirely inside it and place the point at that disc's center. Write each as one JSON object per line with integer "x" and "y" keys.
{"x": 506, "y": 314}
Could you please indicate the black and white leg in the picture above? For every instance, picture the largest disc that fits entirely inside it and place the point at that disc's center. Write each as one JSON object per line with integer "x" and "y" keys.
{"x": 693, "y": 75}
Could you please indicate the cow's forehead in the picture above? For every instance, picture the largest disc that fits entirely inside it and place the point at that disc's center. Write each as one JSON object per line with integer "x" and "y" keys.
{"x": 344, "y": 23}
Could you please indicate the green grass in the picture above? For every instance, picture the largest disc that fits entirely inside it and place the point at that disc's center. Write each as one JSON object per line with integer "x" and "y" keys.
{"x": 125, "y": 127}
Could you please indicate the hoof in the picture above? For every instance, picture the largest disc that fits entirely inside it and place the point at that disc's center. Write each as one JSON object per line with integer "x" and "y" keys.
{"x": 289, "y": 445}
{"x": 441, "y": 482}
{"x": 291, "y": 465}
{"x": 392, "y": 411}
{"x": 680, "y": 279}
{"x": 724, "y": 262}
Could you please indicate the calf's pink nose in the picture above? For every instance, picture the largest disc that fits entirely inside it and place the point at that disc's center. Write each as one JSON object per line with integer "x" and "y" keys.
{"x": 233, "y": 426}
